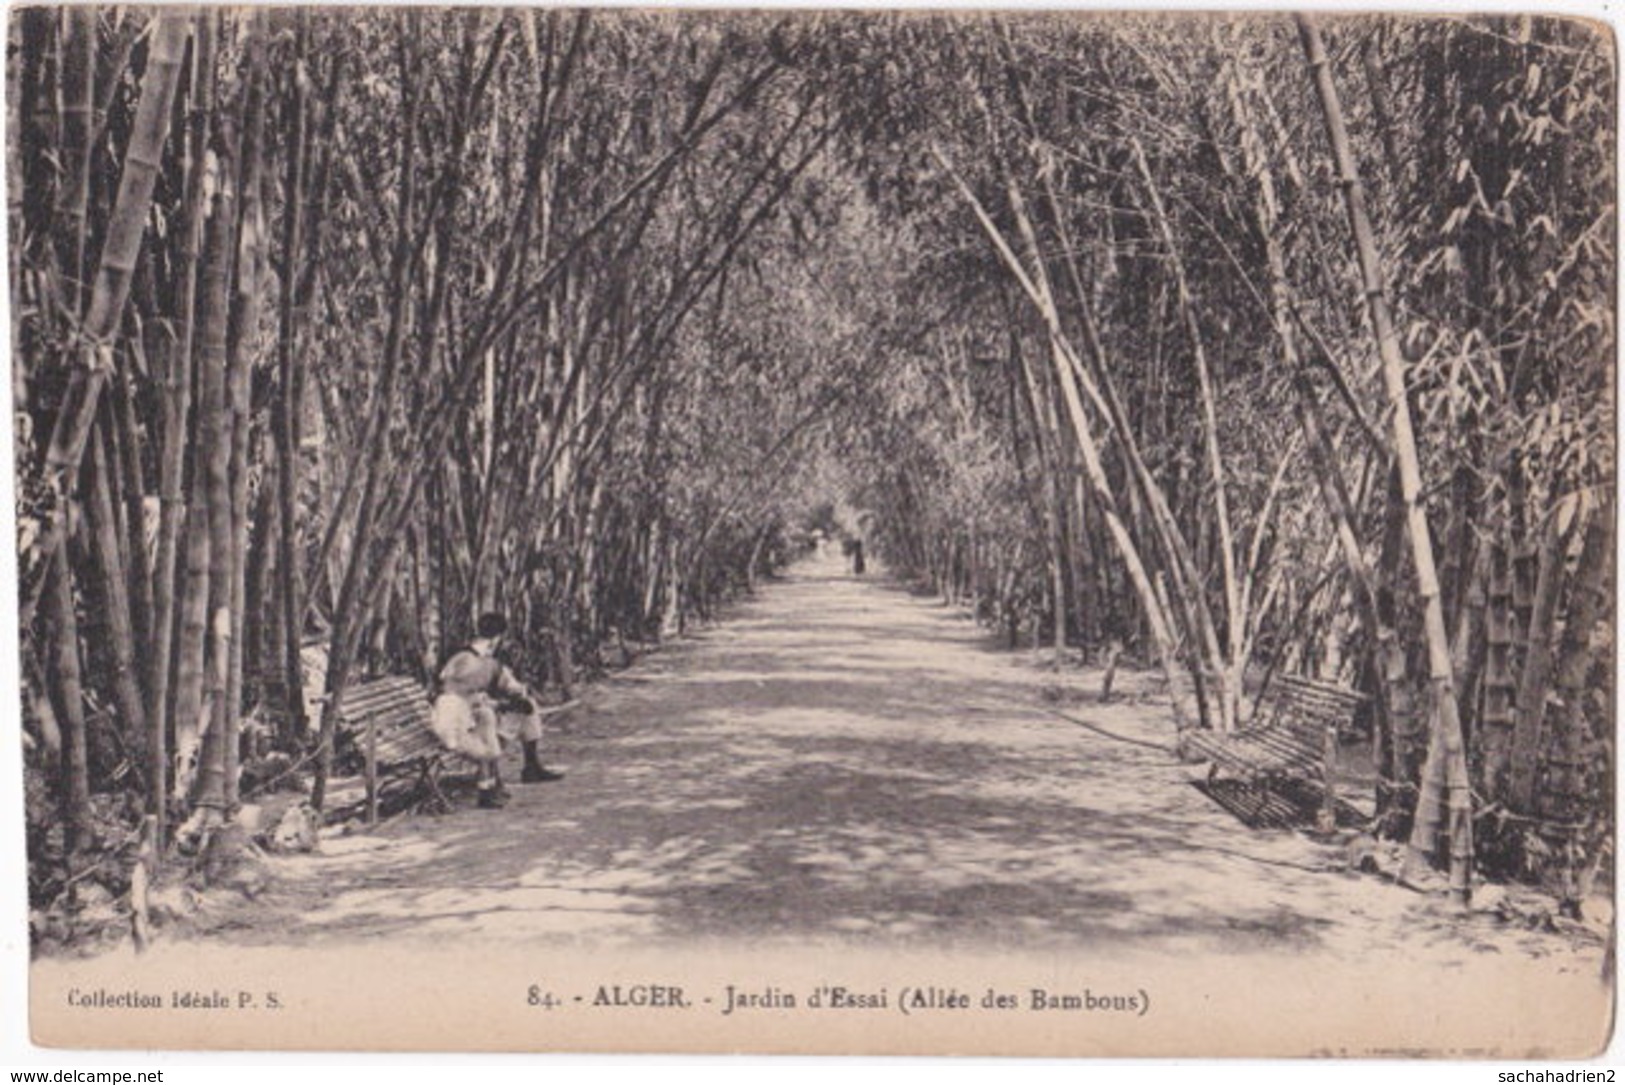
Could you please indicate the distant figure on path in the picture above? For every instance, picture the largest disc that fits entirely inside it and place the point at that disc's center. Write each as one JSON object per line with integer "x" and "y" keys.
{"x": 857, "y": 557}
{"x": 465, "y": 713}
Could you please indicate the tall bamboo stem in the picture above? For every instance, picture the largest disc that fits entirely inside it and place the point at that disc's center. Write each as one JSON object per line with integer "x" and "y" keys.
{"x": 120, "y": 250}
{"x": 168, "y": 588}
{"x": 215, "y": 435}
{"x": 1444, "y": 783}
{"x": 290, "y": 559}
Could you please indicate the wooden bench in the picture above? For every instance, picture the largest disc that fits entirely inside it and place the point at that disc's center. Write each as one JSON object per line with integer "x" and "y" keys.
{"x": 387, "y": 720}
{"x": 1295, "y": 736}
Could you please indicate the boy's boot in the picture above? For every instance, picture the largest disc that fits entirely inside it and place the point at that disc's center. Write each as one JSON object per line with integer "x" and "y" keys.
{"x": 533, "y": 772}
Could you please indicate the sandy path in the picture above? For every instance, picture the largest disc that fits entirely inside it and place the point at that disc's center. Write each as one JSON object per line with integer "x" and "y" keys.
{"x": 841, "y": 761}
{"x": 846, "y": 784}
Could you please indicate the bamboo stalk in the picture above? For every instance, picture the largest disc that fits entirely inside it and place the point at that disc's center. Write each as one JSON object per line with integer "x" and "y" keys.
{"x": 1045, "y": 423}
{"x": 1445, "y": 784}
{"x": 168, "y": 590}
{"x": 67, "y": 683}
{"x": 1535, "y": 683}
{"x": 243, "y": 330}
{"x": 113, "y": 582}
{"x": 192, "y": 618}
{"x": 125, "y": 231}
{"x": 1083, "y": 431}
{"x": 213, "y": 451}
{"x": 16, "y": 210}
{"x": 78, "y": 93}
{"x": 1307, "y": 411}
{"x": 128, "y": 444}
{"x": 1096, "y": 382}
{"x": 1229, "y": 665}
{"x": 286, "y": 411}
{"x": 410, "y": 237}
{"x": 1589, "y": 598}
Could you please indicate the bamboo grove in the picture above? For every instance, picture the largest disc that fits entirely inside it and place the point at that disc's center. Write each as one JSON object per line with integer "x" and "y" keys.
{"x": 1239, "y": 346}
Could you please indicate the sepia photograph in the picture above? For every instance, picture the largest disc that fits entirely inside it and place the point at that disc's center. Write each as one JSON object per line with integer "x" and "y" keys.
{"x": 857, "y": 532}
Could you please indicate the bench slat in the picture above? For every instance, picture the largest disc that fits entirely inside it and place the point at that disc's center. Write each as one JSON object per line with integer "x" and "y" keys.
{"x": 394, "y": 719}
{"x": 382, "y": 695}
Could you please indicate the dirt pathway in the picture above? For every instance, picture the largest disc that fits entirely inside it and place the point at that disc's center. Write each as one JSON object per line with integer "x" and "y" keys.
{"x": 841, "y": 761}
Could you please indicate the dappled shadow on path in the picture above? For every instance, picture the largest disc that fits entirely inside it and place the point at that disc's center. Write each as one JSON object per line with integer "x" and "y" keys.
{"x": 843, "y": 762}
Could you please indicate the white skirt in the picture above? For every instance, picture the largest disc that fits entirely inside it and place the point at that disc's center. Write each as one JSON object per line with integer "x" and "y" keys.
{"x": 457, "y": 724}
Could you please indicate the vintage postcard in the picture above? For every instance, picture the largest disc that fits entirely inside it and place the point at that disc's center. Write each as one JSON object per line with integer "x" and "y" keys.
{"x": 1045, "y": 533}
